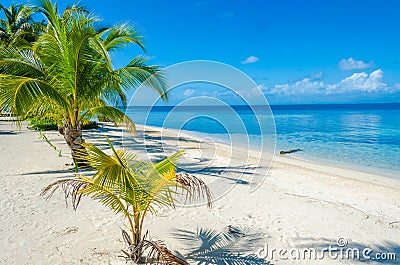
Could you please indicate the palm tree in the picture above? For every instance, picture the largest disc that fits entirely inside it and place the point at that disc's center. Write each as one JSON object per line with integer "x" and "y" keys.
{"x": 133, "y": 188}
{"x": 18, "y": 27}
{"x": 68, "y": 72}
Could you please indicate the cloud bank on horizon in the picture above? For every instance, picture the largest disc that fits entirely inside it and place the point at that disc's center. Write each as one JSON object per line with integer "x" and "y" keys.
{"x": 357, "y": 82}
{"x": 361, "y": 85}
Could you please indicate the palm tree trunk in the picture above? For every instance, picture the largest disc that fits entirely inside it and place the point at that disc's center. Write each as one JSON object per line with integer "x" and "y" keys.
{"x": 74, "y": 139}
{"x": 136, "y": 238}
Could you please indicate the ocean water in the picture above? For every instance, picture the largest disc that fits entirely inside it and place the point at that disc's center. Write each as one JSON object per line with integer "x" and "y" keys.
{"x": 365, "y": 136}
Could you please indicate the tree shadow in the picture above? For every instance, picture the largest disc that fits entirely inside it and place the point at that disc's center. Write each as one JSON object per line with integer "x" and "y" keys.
{"x": 385, "y": 252}
{"x": 8, "y": 132}
{"x": 151, "y": 142}
{"x": 158, "y": 152}
{"x": 208, "y": 246}
{"x": 59, "y": 173}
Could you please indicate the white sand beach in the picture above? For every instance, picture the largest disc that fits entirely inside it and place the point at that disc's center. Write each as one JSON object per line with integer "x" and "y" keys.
{"x": 300, "y": 205}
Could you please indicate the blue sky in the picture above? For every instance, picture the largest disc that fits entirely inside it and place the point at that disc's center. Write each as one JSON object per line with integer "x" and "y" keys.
{"x": 300, "y": 51}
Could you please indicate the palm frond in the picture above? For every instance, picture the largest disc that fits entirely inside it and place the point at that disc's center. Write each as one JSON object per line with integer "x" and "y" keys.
{"x": 20, "y": 63}
{"x": 159, "y": 182}
{"x": 113, "y": 171}
{"x": 121, "y": 35}
{"x": 138, "y": 73}
{"x": 114, "y": 114}
{"x": 195, "y": 189}
{"x": 17, "y": 29}
{"x": 70, "y": 11}
{"x": 75, "y": 188}
{"x": 169, "y": 163}
{"x": 70, "y": 187}
{"x": 22, "y": 93}
{"x": 157, "y": 252}
{"x": 49, "y": 10}
{"x": 106, "y": 195}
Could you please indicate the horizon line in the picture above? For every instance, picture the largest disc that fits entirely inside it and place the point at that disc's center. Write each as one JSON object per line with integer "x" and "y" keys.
{"x": 300, "y": 104}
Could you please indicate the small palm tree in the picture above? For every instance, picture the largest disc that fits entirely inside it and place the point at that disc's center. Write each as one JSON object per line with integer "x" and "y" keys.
{"x": 133, "y": 188}
{"x": 18, "y": 27}
{"x": 68, "y": 73}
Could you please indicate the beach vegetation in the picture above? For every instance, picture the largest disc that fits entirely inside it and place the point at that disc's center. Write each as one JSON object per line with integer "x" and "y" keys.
{"x": 68, "y": 72}
{"x": 134, "y": 189}
{"x": 49, "y": 123}
{"x": 18, "y": 27}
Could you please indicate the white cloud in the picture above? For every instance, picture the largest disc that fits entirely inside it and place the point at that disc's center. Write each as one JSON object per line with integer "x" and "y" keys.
{"x": 305, "y": 86}
{"x": 255, "y": 91}
{"x": 357, "y": 82}
{"x": 360, "y": 82}
{"x": 352, "y": 64}
{"x": 247, "y": 92}
{"x": 188, "y": 92}
{"x": 250, "y": 59}
{"x": 259, "y": 87}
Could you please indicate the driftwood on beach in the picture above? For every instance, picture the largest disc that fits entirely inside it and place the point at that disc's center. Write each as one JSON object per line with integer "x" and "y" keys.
{"x": 289, "y": 151}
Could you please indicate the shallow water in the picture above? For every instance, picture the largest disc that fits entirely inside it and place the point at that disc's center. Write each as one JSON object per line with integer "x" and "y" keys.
{"x": 366, "y": 136}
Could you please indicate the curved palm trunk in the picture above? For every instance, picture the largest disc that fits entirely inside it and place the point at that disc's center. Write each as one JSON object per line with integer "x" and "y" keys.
{"x": 74, "y": 139}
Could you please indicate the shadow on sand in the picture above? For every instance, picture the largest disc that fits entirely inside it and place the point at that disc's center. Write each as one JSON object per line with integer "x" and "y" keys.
{"x": 8, "y": 132}
{"x": 208, "y": 246}
{"x": 62, "y": 173}
{"x": 151, "y": 142}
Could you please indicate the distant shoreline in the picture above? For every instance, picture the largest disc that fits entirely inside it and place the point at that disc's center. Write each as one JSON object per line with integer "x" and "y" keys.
{"x": 396, "y": 104}
{"x": 361, "y": 136}
{"x": 297, "y": 157}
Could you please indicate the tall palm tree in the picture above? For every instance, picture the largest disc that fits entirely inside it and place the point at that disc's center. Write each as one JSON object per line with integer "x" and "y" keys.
{"x": 18, "y": 27}
{"x": 133, "y": 188}
{"x": 69, "y": 73}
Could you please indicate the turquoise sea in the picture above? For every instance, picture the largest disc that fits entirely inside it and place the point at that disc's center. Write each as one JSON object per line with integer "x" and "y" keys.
{"x": 364, "y": 136}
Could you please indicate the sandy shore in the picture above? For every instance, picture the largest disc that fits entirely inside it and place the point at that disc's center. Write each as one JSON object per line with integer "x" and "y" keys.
{"x": 300, "y": 205}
